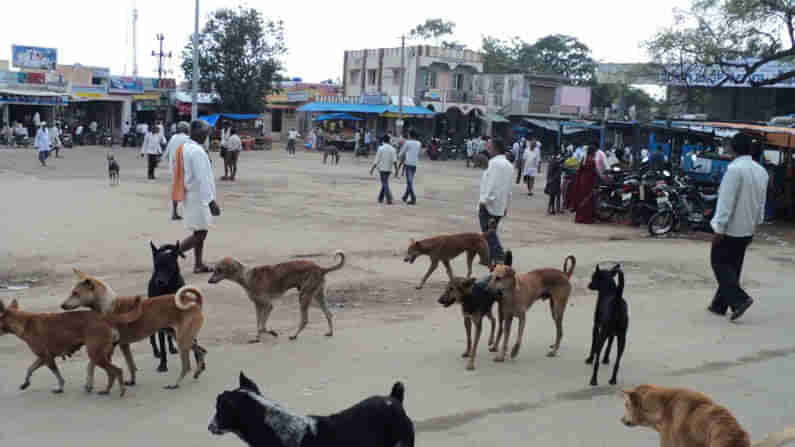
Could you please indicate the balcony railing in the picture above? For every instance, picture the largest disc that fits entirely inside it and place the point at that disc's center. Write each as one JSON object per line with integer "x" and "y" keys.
{"x": 454, "y": 96}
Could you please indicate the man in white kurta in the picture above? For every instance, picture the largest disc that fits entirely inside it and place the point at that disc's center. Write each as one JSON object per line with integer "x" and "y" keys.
{"x": 179, "y": 138}
{"x": 42, "y": 143}
{"x": 199, "y": 194}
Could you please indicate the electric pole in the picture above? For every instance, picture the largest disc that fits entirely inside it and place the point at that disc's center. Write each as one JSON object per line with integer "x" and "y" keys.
{"x": 135, "y": 42}
{"x": 402, "y": 77}
{"x": 194, "y": 110}
{"x": 160, "y": 56}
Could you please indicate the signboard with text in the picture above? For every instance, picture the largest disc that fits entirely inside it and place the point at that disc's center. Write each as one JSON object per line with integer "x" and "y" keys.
{"x": 120, "y": 84}
{"x": 709, "y": 76}
{"x": 34, "y": 57}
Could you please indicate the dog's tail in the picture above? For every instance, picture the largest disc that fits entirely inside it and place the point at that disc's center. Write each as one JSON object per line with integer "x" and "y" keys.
{"x": 569, "y": 271}
{"x": 777, "y": 439}
{"x": 187, "y": 290}
{"x": 398, "y": 392}
{"x": 127, "y": 317}
{"x": 340, "y": 254}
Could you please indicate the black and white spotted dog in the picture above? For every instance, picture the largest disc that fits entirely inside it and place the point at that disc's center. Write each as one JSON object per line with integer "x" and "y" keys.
{"x": 378, "y": 421}
{"x": 113, "y": 170}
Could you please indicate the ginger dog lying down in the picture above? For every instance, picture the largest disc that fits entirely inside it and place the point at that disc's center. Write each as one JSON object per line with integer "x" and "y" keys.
{"x": 687, "y": 418}
{"x": 50, "y": 335}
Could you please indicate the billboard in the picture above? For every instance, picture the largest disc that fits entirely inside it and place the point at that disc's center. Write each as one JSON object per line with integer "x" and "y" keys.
{"x": 34, "y": 57}
{"x": 121, "y": 84}
{"x": 709, "y": 76}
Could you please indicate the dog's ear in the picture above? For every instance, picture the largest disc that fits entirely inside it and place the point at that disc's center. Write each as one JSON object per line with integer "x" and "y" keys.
{"x": 411, "y": 241}
{"x": 179, "y": 252}
{"x": 509, "y": 258}
{"x": 248, "y": 384}
{"x": 616, "y": 269}
{"x": 154, "y": 247}
{"x": 597, "y": 268}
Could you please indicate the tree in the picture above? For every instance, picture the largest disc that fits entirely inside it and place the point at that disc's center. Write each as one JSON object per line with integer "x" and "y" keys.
{"x": 720, "y": 41}
{"x": 434, "y": 30}
{"x": 239, "y": 54}
{"x": 556, "y": 54}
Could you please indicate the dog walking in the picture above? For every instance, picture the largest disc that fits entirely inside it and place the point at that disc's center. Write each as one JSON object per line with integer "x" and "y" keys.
{"x": 385, "y": 160}
{"x": 194, "y": 186}
{"x": 741, "y": 207}
{"x": 495, "y": 197}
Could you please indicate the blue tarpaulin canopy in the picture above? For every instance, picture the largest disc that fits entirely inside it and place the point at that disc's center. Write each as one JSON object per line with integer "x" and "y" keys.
{"x": 335, "y": 107}
{"x": 337, "y": 116}
{"x": 212, "y": 119}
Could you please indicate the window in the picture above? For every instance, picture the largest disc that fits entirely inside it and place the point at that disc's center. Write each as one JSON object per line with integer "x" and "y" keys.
{"x": 354, "y": 77}
{"x": 431, "y": 79}
{"x": 396, "y": 76}
{"x": 458, "y": 81}
{"x": 371, "y": 77}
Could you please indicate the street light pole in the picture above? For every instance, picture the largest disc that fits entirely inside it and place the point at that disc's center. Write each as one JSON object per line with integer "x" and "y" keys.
{"x": 160, "y": 55}
{"x": 194, "y": 110}
{"x": 402, "y": 77}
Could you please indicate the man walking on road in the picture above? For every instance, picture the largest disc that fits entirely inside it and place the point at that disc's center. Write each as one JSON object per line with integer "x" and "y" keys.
{"x": 411, "y": 154}
{"x": 233, "y": 148}
{"x": 292, "y": 135}
{"x": 518, "y": 153}
{"x": 152, "y": 148}
{"x": 194, "y": 185}
{"x": 42, "y": 143}
{"x": 385, "y": 160}
{"x": 178, "y": 139}
{"x": 741, "y": 207}
{"x": 495, "y": 197}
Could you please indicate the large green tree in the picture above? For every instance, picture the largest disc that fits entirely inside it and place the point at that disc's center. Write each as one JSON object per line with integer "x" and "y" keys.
{"x": 239, "y": 57}
{"x": 720, "y": 41}
{"x": 434, "y": 30}
{"x": 555, "y": 54}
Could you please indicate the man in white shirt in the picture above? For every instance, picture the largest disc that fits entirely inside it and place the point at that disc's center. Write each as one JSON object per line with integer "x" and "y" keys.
{"x": 741, "y": 207}
{"x": 141, "y": 130}
{"x": 55, "y": 139}
{"x": 385, "y": 160}
{"x": 199, "y": 205}
{"x": 178, "y": 139}
{"x": 79, "y": 134}
{"x": 495, "y": 197}
{"x": 42, "y": 143}
{"x": 601, "y": 164}
{"x": 152, "y": 148}
{"x": 518, "y": 157}
{"x": 233, "y": 148}
{"x": 411, "y": 154}
{"x": 579, "y": 154}
{"x": 368, "y": 141}
{"x": 292, "y": 135}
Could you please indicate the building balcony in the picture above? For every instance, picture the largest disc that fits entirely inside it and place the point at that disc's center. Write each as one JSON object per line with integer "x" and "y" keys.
{"x": 452, "y": 96}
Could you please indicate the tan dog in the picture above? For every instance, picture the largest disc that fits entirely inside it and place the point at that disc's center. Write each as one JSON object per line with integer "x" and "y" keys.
{"x": 266, "y": 283}
{"x": 179, "y": 312}
{"x": 50, "y": 335}
{"x": 445, "y": 249}
{"x": 519, "y": 293}
{"x": 685, "y": 418}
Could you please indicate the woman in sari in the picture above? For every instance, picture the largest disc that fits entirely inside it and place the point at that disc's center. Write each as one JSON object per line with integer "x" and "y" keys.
{"x": 585, "y": 184}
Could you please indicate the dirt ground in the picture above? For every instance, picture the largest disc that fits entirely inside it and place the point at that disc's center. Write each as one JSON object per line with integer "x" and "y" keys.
{"x": 66, "y": 215}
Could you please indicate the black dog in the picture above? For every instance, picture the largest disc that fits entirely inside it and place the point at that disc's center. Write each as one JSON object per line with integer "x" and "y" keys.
{"x": 166, "y": 279}
{"x": 610, "y": 319}
{"x": 378, "y": 421}
{"x": 113, "y": 170}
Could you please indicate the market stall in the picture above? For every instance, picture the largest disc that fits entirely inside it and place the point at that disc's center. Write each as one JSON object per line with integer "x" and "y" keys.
{"x": 249, "y": 127}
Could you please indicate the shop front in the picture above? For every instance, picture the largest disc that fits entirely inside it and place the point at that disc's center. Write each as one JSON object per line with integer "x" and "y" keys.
{"x": 183, "y": 104}
{"x": 22, "y": 106}
{"x": 93, "y": 104}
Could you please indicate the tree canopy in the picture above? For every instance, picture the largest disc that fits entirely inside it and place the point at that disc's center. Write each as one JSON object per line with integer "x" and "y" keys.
{"x": 239, "y": 53}
{"x": 433, "y": 30}
{"x": 555, "y": 54}
{"x": 727, "y": 41}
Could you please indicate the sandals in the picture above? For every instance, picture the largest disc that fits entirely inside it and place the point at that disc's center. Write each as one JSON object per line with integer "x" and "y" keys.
{"x": 202, "y": 269}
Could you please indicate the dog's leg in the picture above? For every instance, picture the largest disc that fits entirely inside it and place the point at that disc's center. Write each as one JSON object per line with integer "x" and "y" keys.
{"x": 622, "y": 340}
{"x": 90, "y": 376}
{"x": 431, "y": 269}
{"x": 496, "y": 346}
{"x": 199, "y": 353}
{"x": 449, "y": 269}
{"x": 304, "y": 300}
{"x": 161, "y": 338}
{"x": 599, "y": 344}
{"x": 171, "y": 348}
{"x": 128, "y": 357}
{"x": 490, "y": 316}
{"x": 519, "y": 333}
{"x": 468, "y": 329}
{"x": 38, "y": 363}
{"x": 320, "y": 299}
{"x": 54, "y": 368}
{"x": 258, "y": 308}
{"x": 478, "y": 330}
{"x": 558, "y": 307}
{"x": 594, "y": 339}
{"x": 184, "y": 355}
{"x": 606, "y": 359}
{"x": 267, "y": 308}
{"x": 153, "y": 341}
{"x": 506, "y": 336}
{"x": 470, "y": 258}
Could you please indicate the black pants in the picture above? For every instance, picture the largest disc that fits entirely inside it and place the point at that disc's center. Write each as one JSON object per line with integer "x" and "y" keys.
{"x": 152, "y": 158}
{"x": 519, "y": 169}
{"x": 496, "y": 253}
{"x": 385, "y": 193}
{"x": 554, "y": 202}
{"x": 727, "y": 263}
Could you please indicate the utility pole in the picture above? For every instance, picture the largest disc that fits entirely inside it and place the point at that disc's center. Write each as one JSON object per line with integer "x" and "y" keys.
{"x": 194, "y": 110}
{"x": 402, "y": 78}
{"x": 160, "y": 55}
{"x": 135, "y": 42}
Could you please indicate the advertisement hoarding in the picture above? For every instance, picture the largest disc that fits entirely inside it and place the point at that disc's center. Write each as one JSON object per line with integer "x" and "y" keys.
{"x": 122, "y": 84}
{"x": 34, "y": 57}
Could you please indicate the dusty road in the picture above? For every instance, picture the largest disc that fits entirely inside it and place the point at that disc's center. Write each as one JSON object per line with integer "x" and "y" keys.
{"x": 66, "y": 215}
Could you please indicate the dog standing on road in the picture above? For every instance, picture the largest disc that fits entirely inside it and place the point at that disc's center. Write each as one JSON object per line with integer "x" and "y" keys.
{"x": 686, "y": 418}
{"x": 113, "y": 170}
{"x": 378, "y": 421}
{"x": 166, "y": 280}
{"x": 266, "y": 283}
{"x": 520, "y": 292}
{"x": 333, "y": 152}
{"x": 446, "y": 248}
{"x": 610, "y": 319}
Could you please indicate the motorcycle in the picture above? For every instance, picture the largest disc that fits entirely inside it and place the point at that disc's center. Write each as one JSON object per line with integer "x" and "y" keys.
{"x": 66, "y": 140}
{"x": 106, "y": 139}
{"x": 630, "y": 194}
{"x": 433, "y": 149}
{"x": 683, "y": 203}
{"x": 449, "y": 151}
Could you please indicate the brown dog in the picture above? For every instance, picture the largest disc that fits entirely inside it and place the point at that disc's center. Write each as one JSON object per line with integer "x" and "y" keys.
{"x": 179, "y": 312}
{"x": 519, "y": 293}
{"x": 476, "y": 302}
{"x": 266, "y": 283}
{"x": 687, "y": 418}
{"x": 445, "y": 249}
{"x": 50, "y": 335}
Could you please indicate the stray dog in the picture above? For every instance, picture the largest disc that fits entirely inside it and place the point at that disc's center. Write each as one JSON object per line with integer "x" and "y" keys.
{"x": 113, "y": 170}
{"x": 266, "y": 283}
{"x": 476, "y": 302}
{"x": 166, "y": 279}
{"x": 686, "y": 418}
{"x": 446, "y": 248}
{"x": 610, "y": 319}
{"x": 333, "y": 152}
{"x": 378, "y": 421}
{"x": 519, "y": 293}
{"x": 480, "y": 160}
{"x": 50, "y": 335}
{"x": 181, "y": 311}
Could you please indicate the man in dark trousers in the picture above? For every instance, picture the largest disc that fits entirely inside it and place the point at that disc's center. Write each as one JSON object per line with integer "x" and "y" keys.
{"x": 741, "y": 207}
{"x": 495, "y": 198}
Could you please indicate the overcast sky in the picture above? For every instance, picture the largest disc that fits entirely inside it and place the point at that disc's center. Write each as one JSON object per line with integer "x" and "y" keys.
{"x": 98, "y": 32}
